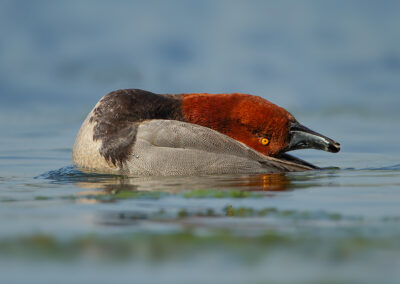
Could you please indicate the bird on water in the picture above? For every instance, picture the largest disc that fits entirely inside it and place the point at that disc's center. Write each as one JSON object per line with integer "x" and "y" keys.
{"x": 136, "y": 132}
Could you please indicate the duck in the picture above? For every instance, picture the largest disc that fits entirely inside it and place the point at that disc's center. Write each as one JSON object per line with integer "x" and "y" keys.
{"x": 140, "y": 133}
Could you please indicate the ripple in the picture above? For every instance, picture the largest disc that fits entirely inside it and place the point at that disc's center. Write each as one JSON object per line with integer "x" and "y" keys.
{"x": 386, "y": 168}
{"x": 71, "y": 174}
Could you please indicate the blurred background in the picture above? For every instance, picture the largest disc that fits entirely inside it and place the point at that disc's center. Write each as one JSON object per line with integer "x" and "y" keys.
{"x": 299, "y": 54}
{"x": 335, "y": 65}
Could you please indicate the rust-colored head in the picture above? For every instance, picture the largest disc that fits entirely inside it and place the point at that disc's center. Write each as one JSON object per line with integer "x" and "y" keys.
{"x": 254, "y": 121}
{"x": 249, "y": 119}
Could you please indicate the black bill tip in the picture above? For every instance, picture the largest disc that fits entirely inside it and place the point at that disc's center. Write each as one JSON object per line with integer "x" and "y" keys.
{"x": 334, "y": 147}
{"x": 302, "y": 137}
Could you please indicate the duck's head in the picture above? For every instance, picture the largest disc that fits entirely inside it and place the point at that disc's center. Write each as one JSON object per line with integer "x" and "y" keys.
{"x": 254, "y": 121}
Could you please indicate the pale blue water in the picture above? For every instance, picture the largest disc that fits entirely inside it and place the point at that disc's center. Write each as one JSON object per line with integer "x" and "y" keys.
{"x": 335, "y": 66}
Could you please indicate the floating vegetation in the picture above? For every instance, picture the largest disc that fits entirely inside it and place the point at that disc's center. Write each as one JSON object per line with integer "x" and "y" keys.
{"x": 247, "y": 212}
{"x": 158, "y": 247}
{"x": 41, "y": 198}
{"x": 231, "y": 211}
{"x": 137, "y": 194}
{"x": 96, "y": 196}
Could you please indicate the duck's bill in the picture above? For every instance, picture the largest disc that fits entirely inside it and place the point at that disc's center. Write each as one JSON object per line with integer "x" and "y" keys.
{"x": 302, "y": 137}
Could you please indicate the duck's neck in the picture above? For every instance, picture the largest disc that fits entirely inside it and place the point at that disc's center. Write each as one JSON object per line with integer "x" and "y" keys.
{"x": 209, "y": 110}
{"x": 220, "y": 112}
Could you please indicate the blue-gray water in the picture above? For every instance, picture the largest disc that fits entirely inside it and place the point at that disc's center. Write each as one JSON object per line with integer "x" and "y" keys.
{"x": 334, "y": 65}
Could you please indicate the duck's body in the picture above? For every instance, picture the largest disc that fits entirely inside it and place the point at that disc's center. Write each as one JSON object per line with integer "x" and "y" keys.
{"x": 141, "y": 133}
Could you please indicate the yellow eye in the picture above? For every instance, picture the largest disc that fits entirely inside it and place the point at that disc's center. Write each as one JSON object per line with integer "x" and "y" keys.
{"x": 265, "y": 141}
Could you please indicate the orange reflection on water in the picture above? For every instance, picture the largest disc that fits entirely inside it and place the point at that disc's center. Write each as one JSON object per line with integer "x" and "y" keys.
{"x": 265, "y": 182}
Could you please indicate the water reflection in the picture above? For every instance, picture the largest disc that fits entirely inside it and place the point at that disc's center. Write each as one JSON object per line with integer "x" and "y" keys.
{"x": 269, "y": 182}
{"x": 264, "y": 182}
{"x": 93, "y": 182}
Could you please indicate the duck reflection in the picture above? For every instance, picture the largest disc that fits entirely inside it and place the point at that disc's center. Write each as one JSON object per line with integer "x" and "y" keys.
{"x": 267, "y": 182}
{"x": 115, "y": 184}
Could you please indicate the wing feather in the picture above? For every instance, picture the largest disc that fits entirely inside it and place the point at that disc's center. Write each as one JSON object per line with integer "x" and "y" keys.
{"x": 169, "y": 147}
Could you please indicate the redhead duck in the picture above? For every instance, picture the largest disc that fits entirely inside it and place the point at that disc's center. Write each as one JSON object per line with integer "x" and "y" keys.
{"x": 136, "y": 132}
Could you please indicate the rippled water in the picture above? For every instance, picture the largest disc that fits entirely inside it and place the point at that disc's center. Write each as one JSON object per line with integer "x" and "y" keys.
{"x": 336, "y": 224}
{"x": 334, "y": 66}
